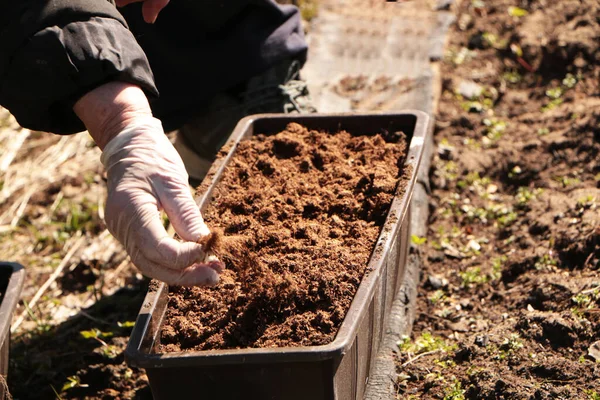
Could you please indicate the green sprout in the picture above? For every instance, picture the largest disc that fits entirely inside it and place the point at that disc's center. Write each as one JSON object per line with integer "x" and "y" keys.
{"x": 569, "y": 81}
{"x": 510, "y": 345}
{"x": 72, "y": 382}
{"x": 95, "y": 334}
{"x": 497, "y": 264}
{"x": 455, "y": 392}
{"x": 512, "y": 77}
{"x": 473, "y": 276}
{"x": 566, "y": 181}
{"x": 525, "y": 195}
{"x": 543, "y": 131}
{"x": 588, "y": 201}
{"x": 554, "y": 93}
{"x": 424, "y": 344}
{"x": 592, "y": 394}
{"x": 517, "y": 12}
{"x": 417, "y": 240}
{"x": 545, "y": 262}
{"x": 437, "y": 296}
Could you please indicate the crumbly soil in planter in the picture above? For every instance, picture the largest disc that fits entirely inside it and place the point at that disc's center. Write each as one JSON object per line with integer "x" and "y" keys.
{"x": 299, "y": 212}
{"x": 509, "y": 306}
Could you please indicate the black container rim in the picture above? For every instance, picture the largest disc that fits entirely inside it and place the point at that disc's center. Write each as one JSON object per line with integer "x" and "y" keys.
{"x": 134, "y": 353}
{"x": 11, "y": 296}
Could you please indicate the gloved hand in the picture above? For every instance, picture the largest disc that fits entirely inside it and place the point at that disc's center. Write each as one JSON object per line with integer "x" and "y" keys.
{"x": 145, "y": 175}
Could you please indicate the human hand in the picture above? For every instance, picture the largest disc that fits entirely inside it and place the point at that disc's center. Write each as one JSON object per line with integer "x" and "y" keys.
{"x": 145, "y": 175}
{"x": 150, "y": 8}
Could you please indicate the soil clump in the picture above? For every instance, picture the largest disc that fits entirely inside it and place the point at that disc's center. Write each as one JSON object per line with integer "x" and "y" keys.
{"x": 296, "y": 216}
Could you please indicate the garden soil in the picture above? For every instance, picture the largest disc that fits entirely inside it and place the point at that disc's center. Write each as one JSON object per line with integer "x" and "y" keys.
{"x": 509, "y": 302}
{"x": 299, "y": 212}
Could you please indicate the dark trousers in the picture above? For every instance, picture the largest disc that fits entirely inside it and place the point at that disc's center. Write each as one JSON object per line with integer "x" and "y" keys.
{"x": 201, "y": 48}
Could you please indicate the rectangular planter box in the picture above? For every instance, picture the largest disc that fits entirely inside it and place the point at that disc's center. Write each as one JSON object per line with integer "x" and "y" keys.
{"x": 12, "y": 277}
{"x": 338, "y": 370}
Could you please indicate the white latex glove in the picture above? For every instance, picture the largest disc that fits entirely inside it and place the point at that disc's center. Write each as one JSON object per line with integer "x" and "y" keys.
{"x": 145, "y": 175}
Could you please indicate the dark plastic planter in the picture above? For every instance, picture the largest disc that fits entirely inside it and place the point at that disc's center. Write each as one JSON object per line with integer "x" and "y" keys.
{"x": 338, "y": 370}
{"x": 12, "y": 277}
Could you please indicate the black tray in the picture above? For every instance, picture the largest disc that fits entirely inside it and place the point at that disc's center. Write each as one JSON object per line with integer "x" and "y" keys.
{"x": 338, "y": 370}
{"x": 12, "y": 277}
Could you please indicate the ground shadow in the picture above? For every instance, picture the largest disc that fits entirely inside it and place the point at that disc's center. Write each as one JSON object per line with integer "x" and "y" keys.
{"x": 85, "y": 352}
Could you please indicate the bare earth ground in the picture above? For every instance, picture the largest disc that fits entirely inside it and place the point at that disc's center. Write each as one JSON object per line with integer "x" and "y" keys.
{"x": 509, "y": 304}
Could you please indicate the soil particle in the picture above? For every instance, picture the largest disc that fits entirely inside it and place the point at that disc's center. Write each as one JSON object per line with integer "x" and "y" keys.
{"x": 296, "y": 216}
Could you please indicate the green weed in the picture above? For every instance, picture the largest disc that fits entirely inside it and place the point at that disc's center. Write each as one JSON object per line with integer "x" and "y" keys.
{"x": 517, "y": 12}
{"x": 592, "y": 394}
{"x": 454, "y": 392}
{"x": 525, "y": 195}
{"x": 545, "y": 262}
{"x": 512, "y": 77}
{"x": 473, "y": 276}
{"x": 72, "y": 382}
{"x": 437, "y": 297}
{"x": 424, "y": 344}
{"x": 417, "y": 240}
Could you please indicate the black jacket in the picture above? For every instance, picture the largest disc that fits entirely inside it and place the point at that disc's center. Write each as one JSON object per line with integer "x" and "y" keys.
{"x": 54, "y": 51}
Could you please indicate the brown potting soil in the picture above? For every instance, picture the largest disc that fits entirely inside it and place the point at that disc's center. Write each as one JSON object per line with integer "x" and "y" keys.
{"x": 299, "y": 212}
{"x": 509, "y": 302}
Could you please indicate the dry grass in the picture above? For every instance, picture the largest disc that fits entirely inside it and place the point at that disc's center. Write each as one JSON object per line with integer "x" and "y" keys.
{"x": 51, "y": 215}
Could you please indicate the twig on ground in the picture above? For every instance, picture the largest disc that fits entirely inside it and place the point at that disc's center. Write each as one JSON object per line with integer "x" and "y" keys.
{"x": 22, "y": 206}
{"x": 427, "y": 353}
{"x": 12, "y": 149}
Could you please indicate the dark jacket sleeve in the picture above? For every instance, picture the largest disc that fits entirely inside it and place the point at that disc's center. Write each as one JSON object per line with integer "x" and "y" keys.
{"x": 54, "y": 51}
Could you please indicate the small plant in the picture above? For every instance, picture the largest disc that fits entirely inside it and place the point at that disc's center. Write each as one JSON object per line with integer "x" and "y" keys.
{"x": 525, "y": 195}
{"x": 494, "y": 128}
{"x": 72, "y": 382}
{"x": 126, "y": 324}
{"x": 592, "y": 394}
{"x": 473, "y": 276}
{"x": 543, "y": 131}
{"x": 554, "y": 93}
{"x": 109, "y": 351}
{"x": 512, "y": 77}
{"x": 437, "y": 297}
{"x": 424, "y": 344}
{"x": 95, "y": 334}
{"x": 569, "y": 81}
{"x": 545, "y": 262}
{"x": 517, "y": 12}
{"x": 455, "y": 392}
{"x": 497, "y": 264}
{"x": 510, "y": 345}
{"x": 586, "y": 202}
{"x": 566, "y": 181}
{"x": 448, "y": 171}
{"x": 417, "y": 240}
{"x": 474, "y": 181}
{"x": 582, "y": 300}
